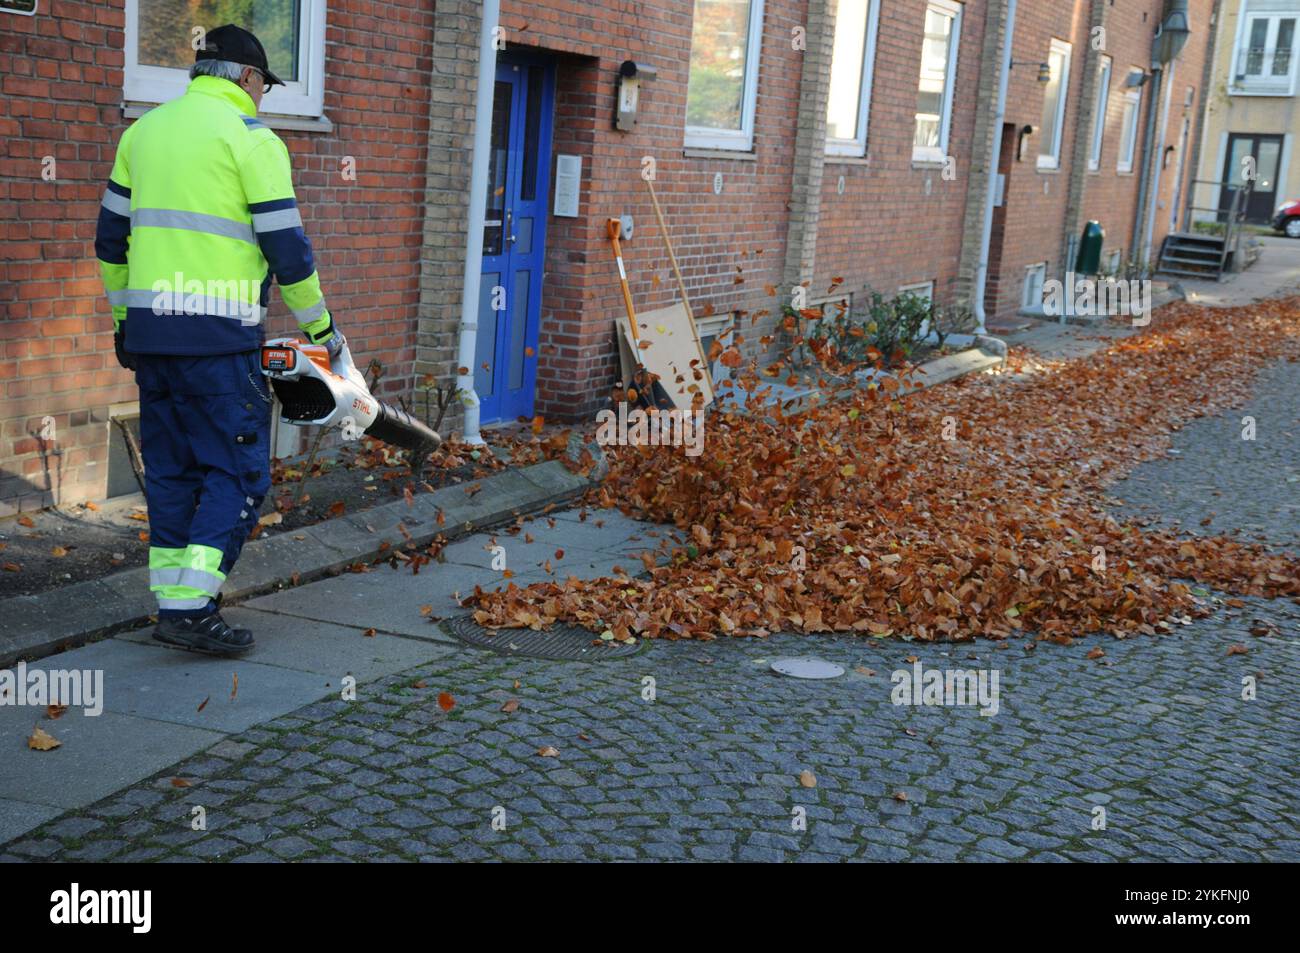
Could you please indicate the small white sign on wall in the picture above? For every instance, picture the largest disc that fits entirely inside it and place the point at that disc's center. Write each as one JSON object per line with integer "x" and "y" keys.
{"x": 568, "y": 185}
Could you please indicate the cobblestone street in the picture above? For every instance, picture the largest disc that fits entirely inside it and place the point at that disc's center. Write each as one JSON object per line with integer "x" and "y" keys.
{"x": 1155, "y": 732}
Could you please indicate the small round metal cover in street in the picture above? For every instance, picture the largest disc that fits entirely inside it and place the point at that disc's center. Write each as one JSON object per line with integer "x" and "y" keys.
{"x": 813, "y": 668}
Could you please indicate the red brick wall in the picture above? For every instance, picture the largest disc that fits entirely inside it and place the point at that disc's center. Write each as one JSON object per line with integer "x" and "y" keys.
{"x": 62, "y": 87}
{"x": 739, "y": 234}
{"x": 885, "y": 230}
{"x": 1034, "y": 221}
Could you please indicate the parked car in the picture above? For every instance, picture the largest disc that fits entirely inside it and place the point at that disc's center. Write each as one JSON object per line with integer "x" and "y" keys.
{"x": 1287, "y": 219}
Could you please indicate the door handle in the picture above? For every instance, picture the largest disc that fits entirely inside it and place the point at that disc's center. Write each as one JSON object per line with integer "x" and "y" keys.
{"x": 510, "y": 227}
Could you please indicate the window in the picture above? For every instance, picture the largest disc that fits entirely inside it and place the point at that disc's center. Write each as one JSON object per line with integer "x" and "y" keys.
{"x": 1035, "y": 277}
{"x": 159, "y": 54}
{"x": 1053, "y": 128}
{"x": 1099, "y": 117}
{"x": 723, "y": 83}
{"x": 849, "y": 102}
{"x": 1268, "y": 53}
{"x": 720, "y": 328}
{"x": 1128, "y": 133}
{"x": 934, "y": 91}
{"x": 922, "y": 289}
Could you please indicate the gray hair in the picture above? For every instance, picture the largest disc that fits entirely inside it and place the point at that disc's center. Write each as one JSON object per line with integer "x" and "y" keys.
{"x": 222, "y": 69}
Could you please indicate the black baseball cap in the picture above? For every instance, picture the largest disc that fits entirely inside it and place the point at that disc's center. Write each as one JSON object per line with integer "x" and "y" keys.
{"x": 236, "y": 45}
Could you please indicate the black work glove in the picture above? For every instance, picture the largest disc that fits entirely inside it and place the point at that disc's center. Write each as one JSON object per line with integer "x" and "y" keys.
{"x": 124, "y": 357}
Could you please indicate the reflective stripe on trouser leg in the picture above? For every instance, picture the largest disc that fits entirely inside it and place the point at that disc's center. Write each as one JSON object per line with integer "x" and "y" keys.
{"x": 196, "y": 569}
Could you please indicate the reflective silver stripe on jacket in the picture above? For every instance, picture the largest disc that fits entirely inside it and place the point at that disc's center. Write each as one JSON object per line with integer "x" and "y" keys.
{"x": 118, "y": 298}
{"x": 277, "y": 220}
{"x": 180, "y": 302}
{"x": 308, "y": 315}
{"x": 192, "y": 222}
{"x": 118, "y": 204}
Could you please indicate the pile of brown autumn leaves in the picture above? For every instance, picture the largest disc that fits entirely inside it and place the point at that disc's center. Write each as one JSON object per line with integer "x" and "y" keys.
{"x": 860, "y": 517}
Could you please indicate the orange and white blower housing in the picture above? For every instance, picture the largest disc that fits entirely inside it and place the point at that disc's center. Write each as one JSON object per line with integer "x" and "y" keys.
{"x": 313, "y": 390}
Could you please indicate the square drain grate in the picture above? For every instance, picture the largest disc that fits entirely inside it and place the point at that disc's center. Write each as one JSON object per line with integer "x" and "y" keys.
{"x": 567, "y": 642}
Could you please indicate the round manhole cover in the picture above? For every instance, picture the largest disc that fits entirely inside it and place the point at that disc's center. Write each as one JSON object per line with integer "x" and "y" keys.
{"x": 806, "y": 668}
{"x": 558, "y": 642}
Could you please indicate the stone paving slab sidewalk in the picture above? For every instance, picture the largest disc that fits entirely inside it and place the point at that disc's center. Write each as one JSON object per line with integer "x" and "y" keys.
{"x": 309, "y": 638}
{"x": 37, "y": 625}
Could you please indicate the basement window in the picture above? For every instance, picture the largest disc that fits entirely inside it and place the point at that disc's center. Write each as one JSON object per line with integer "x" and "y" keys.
{"x": 719, "y": 328}
{"x": 1035, "y": 278}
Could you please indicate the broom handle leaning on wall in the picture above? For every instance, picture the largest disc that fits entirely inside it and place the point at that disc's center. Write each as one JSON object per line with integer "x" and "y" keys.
{"x": 681, "y": 285}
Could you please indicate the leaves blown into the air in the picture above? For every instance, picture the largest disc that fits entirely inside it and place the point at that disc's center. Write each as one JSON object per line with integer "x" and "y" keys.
{"x": 858, "y": 517}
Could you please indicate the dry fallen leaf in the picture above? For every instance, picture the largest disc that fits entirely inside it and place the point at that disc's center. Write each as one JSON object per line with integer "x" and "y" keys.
{"x": 511, "y": 706}
{"x": 1096, "y": 653}
{"x": 900, "y": 795}
{"x": 55, "y": 712}
{"x": 180, "y": 783}
{"x": 58, "y": 552}
{"x": 1238, "y": 650}
{"x": 41, "y": 740}
{"x": 26, "y": 521}
{"x": 234, "y": 685}
{"x": 203, "y": 704}
{"x": 369, "y": 633}
{"x": 445, "y": 701}
{"x": 807, "y": 779}
{"x": 548, "y": 752}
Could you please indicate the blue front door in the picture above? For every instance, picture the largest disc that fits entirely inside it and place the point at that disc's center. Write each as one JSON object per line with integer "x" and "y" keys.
{"x": 514, "y": 254}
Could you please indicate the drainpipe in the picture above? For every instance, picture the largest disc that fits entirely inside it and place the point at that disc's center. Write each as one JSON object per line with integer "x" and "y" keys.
{"x": 986, "y": 237}
{"x": 1144, "y": 182}
{"x": 469, "y": 305}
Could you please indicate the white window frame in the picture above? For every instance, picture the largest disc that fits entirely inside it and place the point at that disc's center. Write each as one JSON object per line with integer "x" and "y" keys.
{"x": 303, "y": 97}
{"x": 1265, "y": 81}
{"x": 1035, "y": 276}
{"x": 1129, "y": 128}
{"x": 857, "y": 146}
{"x": 1105, "y": 68}
{"x": 938, "y": 154}
{"x": 713, "y": 327}
{"x": 1051, "y": 159}
{"x": 921, "y": 289}
{"x": 742, "y": 139}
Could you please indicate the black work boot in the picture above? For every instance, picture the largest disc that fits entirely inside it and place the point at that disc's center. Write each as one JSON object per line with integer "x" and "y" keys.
{"x": 209, "y": 634}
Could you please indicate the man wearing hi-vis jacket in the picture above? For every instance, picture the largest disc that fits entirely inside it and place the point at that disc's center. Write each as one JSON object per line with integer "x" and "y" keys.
{"x": 199, "y": 215}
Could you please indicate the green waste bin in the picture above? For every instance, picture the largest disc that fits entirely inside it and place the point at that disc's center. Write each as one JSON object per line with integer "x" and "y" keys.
{"x": 1088, "y": 261}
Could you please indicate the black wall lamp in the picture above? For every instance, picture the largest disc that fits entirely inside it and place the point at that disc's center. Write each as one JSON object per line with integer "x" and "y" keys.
{"x": 1044, "y": 69}
{"x": 628, "y": 94}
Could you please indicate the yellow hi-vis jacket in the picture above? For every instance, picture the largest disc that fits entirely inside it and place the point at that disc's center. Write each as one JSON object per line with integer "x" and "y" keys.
{"x": 198, "y": 215}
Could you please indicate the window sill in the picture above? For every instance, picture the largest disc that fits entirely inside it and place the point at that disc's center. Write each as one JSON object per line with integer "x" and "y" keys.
{"x": 1049, "y": 169}
{"x": 133, "y": 110}
{"x": 692, "y": 152}
{"x": 833, "y": 159}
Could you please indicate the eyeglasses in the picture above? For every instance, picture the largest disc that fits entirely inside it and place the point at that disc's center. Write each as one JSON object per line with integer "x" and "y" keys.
{"x": 266, "y": 85}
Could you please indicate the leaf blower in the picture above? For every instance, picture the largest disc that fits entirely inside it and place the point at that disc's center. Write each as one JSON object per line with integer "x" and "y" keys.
{"x": 312, "y": 389}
